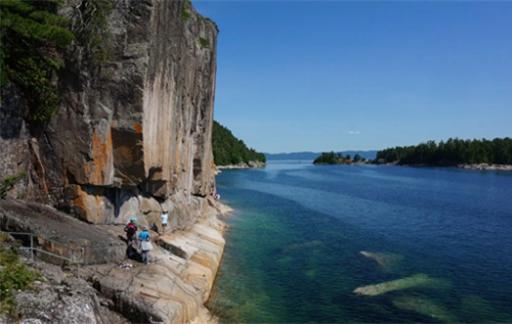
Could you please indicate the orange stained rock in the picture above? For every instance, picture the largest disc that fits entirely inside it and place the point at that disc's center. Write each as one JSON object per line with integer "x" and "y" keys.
{"x": 80, "y": 201}
{"x": 101, "y": 159}
{"x": 89, "y": 209}
{"x": 137, "y": 127}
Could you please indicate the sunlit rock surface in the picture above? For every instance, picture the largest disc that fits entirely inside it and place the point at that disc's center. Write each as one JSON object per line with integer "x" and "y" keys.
{"x": 172, "y": 288}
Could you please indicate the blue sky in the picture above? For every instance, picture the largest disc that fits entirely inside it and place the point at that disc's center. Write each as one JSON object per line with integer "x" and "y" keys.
{"x": 333, "y": 75}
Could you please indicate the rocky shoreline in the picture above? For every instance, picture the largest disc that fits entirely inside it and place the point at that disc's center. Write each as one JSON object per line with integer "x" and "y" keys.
{"x": 242, "y": 165}
{"x": 474, "y": 166}
{"x": 132, "y": 137}
{"x": 486, "y": 167}
{"x": 173, "y": 288}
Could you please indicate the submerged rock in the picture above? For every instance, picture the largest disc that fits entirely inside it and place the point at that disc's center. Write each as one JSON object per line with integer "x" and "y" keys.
{"x": 478, "y": 309}
{"x": 302, "y": 246}
{"x": 386, "y": 260}
{"x": 425, "y": 307}
{"x": 415, "y": 281}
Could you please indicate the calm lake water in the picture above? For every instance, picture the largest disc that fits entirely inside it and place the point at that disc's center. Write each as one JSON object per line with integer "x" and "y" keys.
{"x": 293, "y": 251}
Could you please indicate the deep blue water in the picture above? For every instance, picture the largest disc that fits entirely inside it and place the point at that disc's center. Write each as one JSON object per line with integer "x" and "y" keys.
{"x": 293, "y": 251}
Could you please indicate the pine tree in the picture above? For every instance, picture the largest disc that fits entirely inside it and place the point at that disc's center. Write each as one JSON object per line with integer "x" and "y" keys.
{"x": 32, "y": 36}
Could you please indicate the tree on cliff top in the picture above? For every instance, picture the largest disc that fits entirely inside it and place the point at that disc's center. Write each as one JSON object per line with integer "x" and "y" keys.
{"x": 31, "y": 37}
{"x": 227, "y": 149}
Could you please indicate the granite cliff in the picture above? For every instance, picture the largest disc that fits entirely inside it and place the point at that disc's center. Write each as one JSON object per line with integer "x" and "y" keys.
{"x": 132, "y": 136}
{"x": 133, "y": 133}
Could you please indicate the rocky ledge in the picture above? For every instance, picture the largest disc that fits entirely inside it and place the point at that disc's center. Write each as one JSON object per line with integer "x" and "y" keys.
{"x": 171, "y": 289}
{"x": 175, "y": 285}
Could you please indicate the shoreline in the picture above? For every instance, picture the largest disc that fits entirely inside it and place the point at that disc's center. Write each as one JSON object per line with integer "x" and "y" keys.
{"x": 342, "y": 163}
{"x": 177, "y": 283}
{"x": 243, "y": 165}
{"x": 205, "y": 316}
{"x": 471, "y": 167}
{"x": 173, "y": 288}
{"x": 485, "y": 167}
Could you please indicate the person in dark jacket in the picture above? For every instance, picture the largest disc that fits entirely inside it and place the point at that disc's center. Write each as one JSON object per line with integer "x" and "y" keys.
{"x": 131, "y": 230}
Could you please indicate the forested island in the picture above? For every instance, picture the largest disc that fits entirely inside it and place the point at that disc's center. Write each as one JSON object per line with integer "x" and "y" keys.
{"x": 231, "y": 151}
{"x": 471, "y": 154}
{"x": 453, "y": 152}
{"x": 338, "y": 158}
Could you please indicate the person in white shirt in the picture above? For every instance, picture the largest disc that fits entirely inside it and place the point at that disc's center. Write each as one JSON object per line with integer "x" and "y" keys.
{"x": 164, "y": 217}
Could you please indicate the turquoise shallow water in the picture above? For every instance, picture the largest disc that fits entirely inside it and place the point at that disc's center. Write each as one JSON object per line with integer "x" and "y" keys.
{"x": 293, "y": 251}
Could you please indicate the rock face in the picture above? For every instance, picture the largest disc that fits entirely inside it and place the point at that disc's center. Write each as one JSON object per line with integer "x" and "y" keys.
{"x": 133, "y": 133}
{"x": 60, "y": 234}
{"x": 132, "y": 137}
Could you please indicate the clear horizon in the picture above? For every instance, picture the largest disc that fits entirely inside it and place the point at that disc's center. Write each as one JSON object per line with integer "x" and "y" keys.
{"x": 361, "y": 75}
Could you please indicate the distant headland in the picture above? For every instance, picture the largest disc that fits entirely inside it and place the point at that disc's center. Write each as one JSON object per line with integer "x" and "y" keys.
{"x": 339, "y": 158}
{"x": 307, "y": 155}
{"x": 481, "y": 154}
{"x": 473, "y": 154}
{"x": 230, "y": 152}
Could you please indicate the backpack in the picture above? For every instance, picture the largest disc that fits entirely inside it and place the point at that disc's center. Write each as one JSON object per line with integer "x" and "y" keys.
{"x": 131, "y": 229}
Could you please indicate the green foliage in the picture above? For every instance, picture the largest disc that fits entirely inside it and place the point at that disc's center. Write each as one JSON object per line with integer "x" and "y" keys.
{"x": 338, "y": 158}
{"x": 31, "y": 38}
{"x": 14, "y": 275}
{"x": 332, "y": 158}
{"x": 227, "y": 149}
{"x": 204, "y": 43}
{"x": 450, "y": 153}
{"x": 185, "y": 11}
{"x": 9, "y": 182}
{"x": 329, "y": 158}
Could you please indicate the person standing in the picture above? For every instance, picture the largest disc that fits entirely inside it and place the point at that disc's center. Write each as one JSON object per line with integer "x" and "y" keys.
{"x": 145, "y": 244}
{"x": 131, "y": 230}
{"x": 131, "y": 236}
{"x": 164, "y": 217}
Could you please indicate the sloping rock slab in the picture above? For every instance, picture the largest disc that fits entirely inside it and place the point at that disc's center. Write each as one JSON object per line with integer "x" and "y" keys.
{"x": 172, "y": 288}
{"x": 61, "y": 234}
